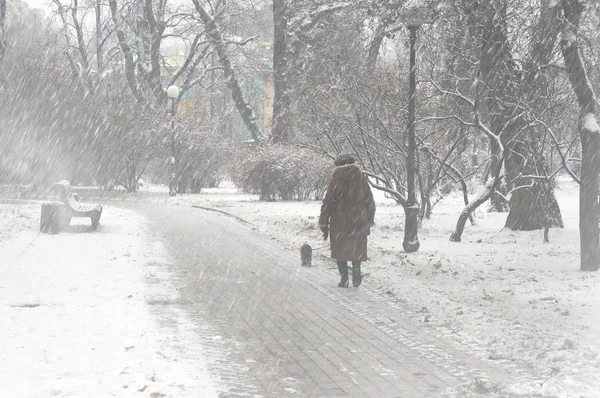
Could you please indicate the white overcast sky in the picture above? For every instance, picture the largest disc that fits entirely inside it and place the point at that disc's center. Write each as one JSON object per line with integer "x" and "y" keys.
{"x": 41, "y": 4}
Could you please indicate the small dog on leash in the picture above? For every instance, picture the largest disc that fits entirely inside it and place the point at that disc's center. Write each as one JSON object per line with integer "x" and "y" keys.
{"x": 306, "y": 255}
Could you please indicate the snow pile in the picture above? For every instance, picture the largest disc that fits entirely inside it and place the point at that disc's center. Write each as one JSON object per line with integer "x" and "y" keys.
{"x": 479, "y": 388}
{"x": 15, "y": 218}
{"x": 76, "y": 320}
{"x": 590, "y": 124}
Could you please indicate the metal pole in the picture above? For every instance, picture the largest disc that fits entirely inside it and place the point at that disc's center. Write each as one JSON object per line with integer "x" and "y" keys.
{"x": 173, "y": 187}
{"x": 411, "y": 233}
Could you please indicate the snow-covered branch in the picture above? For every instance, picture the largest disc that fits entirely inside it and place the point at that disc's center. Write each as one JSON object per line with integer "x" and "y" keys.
{"x": 562, "y": 156}
{"x": 397, "y": 196}
{"x": 241, "y": 42}
{"x": 190, "y": 56}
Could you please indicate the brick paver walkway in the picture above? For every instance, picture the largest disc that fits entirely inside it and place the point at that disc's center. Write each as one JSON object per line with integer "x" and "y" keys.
{"x": 273, "y": 328}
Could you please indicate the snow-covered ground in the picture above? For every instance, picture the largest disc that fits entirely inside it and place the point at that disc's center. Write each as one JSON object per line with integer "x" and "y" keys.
{"x": 517, "y": 297}
{"x": 75, "y": 313}
{"x": 509, "y": 293}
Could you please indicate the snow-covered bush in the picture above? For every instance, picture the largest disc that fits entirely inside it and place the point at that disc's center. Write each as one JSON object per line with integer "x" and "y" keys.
{"x": 202, "y": 158}
{"x": 282, "y": 172}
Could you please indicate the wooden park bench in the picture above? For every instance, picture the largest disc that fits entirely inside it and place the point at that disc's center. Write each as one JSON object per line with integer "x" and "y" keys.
{"x": 56, "y": 216}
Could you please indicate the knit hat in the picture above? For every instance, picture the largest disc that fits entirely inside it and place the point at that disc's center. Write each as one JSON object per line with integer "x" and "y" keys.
{"x": 343, "y": 159}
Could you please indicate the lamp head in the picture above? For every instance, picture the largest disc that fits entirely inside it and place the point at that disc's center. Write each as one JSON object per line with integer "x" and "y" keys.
{"x": 173, "y": 92}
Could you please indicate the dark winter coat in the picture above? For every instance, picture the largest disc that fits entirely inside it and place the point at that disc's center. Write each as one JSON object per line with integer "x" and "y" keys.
{"x": 349, "y": 210}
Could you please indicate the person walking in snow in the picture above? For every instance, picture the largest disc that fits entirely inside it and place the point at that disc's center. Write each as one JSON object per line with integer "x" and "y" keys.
{"x": 347, "y": 213}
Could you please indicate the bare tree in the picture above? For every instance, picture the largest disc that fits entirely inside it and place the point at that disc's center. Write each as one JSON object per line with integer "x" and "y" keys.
{"x": 511, "y": 86}
{"x": 151, "y": 24}
{"x": 477, "y": 123}
{"x": 294, "y": 27}
{"x": 76, "y": 52}
{"x": 125, "y": 48}
{"x": 246, "y": 112}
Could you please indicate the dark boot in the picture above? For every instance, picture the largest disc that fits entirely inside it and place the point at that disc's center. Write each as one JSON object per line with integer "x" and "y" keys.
{"x": 343, "y": 268}
{"x": 356, "y": 274}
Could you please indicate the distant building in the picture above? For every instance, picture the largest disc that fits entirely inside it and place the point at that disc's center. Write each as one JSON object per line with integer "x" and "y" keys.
{"x": 258, "y": 89}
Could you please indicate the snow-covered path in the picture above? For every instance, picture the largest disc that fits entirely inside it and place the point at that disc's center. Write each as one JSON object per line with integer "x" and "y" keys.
{"x": 519, "y": 298}
{"x": 111, "y": 313}
{"x": 287, "y": 330}
{"x": 77, "y": 318}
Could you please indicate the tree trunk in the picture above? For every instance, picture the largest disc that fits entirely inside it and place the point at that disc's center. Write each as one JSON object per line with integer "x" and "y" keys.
{"x": 99, "y": 40}
{"x": 157, "y": 27}
{"x": 588, "y": 200}
{"x": 589, "y": 232}
{"x": 213, "y": 104}
{"x": 130, "y": 182}
{"x": 465, "y": 192}
{"x": 282, "y": 123}
{"x": 375, "y": 46}
{"x": 497, "y": 202}
{"x": 2, "y": 29}
{"x": 428, "y": 208}
{"x": 532, "y": 206}
{"x": 471, "y": 207}
{"x": 529, "y": 207}
{"x": 196, "y": 186}
{"x": 214, "y": 33}
{"x": 80, "y": 40}
{"x": 127, "y": 53}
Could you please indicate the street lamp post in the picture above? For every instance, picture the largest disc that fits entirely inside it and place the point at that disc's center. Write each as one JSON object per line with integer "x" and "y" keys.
{"x": 173, "y": 94}
{"x": 413, "y": 18}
